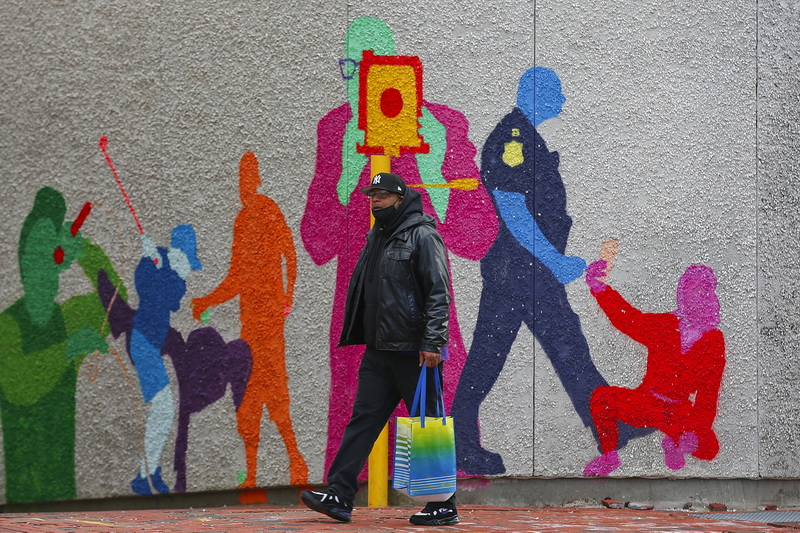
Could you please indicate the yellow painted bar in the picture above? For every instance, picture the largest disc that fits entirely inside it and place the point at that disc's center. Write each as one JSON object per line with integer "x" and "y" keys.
{"x": 464, "y": 184}
{"x": 378, "y": 473}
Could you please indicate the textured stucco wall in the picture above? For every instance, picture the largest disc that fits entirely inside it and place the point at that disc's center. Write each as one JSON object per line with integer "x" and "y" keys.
{"x": 779, "y": 238}
{"x": 678, "y": 138}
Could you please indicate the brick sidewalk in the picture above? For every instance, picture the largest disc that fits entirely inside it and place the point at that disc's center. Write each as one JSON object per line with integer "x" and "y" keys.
{"x": 266, "y": 518}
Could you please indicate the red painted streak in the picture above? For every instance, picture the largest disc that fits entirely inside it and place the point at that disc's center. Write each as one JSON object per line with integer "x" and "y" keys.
{"x": 76, "y": 226}
{"x": 104, "y": 148}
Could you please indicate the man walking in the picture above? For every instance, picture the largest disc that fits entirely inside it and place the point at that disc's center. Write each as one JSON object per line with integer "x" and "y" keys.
{"x": 398, "y": 304}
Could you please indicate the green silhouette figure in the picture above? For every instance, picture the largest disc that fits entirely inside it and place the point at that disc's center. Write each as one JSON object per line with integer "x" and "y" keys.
{"x": 42, "y": 344}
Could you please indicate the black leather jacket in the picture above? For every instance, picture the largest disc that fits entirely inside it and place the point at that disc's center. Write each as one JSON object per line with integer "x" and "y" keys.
{"x": 413, "y": 295}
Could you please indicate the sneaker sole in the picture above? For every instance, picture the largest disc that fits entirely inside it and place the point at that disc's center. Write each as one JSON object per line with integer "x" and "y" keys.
{"x": 314, "y": 505}
{"x": 435, "y": 522}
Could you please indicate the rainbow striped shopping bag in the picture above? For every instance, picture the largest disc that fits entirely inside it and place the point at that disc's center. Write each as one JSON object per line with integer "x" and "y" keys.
{"x": 425, "y": 449}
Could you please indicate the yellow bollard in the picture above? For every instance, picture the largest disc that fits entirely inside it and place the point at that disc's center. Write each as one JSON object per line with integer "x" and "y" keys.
{"x": 378, "y": 473}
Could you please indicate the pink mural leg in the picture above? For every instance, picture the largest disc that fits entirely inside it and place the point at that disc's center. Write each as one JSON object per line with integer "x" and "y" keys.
{"x": 603, "y": 465}
{"x": 458, "y": 357}
{"x": 674, "y": 454}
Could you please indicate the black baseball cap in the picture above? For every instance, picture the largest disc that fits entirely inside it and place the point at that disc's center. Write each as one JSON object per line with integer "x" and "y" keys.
{"x": 387, "y": 182}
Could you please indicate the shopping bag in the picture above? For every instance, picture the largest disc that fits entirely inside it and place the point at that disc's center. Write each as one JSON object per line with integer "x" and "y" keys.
{"x": 425, "y": 449}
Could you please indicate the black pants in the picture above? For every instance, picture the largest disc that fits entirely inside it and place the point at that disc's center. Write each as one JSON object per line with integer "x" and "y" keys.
{"x": 384, "y": 379}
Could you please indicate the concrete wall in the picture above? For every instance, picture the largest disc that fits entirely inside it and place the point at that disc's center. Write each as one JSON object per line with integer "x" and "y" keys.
{"x": 677, "y": 139}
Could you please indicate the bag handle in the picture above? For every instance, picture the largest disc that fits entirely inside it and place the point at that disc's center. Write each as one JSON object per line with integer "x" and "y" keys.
{"x": 419, "y": 404}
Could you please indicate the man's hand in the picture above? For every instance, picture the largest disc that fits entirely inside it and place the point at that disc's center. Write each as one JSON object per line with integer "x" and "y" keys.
{"x": 429, "y": 359}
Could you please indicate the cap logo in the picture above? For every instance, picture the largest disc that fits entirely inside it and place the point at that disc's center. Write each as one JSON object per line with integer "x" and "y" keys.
{"x": 386, "y": 181}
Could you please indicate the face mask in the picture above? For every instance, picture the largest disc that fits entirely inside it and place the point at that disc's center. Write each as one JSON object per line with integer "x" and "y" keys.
{"x": 383, "y": 215}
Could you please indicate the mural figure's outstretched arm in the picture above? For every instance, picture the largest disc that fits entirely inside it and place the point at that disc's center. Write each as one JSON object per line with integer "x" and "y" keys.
{"x": 524, "y": 228}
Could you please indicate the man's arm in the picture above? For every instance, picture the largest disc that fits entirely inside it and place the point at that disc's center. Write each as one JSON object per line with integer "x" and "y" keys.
{"x": 230, "y": 286}
{"x": 524, "y": 228}
{"x": 434, "y": 282}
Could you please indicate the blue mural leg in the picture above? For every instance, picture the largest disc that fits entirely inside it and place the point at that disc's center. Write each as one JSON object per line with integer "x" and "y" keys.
{"x": 558, "y": 330}
{"x": 157, "y": 427}
{"x": 499, "y": 321}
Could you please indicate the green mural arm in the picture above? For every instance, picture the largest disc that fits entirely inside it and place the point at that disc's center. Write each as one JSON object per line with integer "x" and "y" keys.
{"x": 84, "y": 316}
{"x": 86, "y": 325}
{"x": 95, "y": 259}
{"x": 430, "y": 164}
{"x": 27, "y": 377}
{"x": 353, "y": 162}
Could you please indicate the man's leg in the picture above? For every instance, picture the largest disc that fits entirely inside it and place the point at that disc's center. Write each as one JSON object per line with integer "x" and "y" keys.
{"x": 344, "y": 365}
{"x": 376, "y": 398}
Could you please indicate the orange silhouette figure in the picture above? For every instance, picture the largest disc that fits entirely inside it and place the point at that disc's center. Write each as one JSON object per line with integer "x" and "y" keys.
{"x": 263, "y": 252}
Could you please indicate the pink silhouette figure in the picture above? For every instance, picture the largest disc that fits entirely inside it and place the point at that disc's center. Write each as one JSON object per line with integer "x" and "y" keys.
{"x": 337, "y": 215}
{"x": 331, "y": 230}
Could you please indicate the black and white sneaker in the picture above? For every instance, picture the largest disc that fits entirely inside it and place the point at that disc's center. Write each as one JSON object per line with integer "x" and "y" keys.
{"x": 327, "y": 504}
{"x": 435, "y": 514}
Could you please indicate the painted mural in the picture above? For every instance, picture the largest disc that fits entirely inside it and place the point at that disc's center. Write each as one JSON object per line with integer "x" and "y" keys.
{"x": 525, "y": 270}
{"x": 42, "y": 345}
{"x": 336, "y": 218}
{"x": 263, "y": 255}
{"x": 160, "y": 280}
{"x": 680, "y": 388}
{"x": 508, "y": 217}
{"x": 205, "y": 364}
